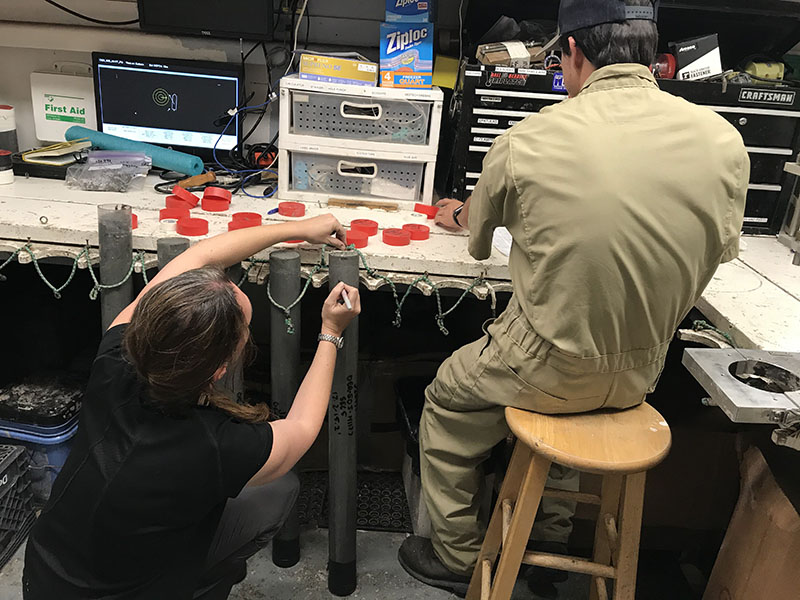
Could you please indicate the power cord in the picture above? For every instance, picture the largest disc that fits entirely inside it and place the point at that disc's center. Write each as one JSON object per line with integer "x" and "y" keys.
{"x": 88, "y": 18}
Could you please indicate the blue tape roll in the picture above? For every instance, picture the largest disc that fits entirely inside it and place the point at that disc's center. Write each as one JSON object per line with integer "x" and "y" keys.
{"x": 162, "y": 157}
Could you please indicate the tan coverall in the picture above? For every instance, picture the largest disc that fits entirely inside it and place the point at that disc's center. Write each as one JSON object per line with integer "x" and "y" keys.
{"x": 621, "y": 202}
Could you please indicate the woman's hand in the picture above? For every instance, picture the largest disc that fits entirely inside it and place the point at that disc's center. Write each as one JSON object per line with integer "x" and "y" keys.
{"x": 324, "y": 229}
{"x": 335, "y": 314}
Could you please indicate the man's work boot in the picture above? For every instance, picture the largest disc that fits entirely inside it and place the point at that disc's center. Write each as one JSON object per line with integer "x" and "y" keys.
{"x": 417, "y": 557}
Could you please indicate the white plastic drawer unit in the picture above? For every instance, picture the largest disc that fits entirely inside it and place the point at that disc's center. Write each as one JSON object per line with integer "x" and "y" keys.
{"x": 354, "y": 118}
{"x": 365, "y": 177}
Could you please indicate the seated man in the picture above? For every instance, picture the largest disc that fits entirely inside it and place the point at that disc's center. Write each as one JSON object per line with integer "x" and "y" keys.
{"x": 610, "y": 252}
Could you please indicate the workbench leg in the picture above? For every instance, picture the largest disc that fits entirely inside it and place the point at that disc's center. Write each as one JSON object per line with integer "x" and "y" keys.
{"x": 116, "y": 253}
{"x": 342, "y": 483}
{"x": 284, "y": 282}
{"x": 169, "y": 248}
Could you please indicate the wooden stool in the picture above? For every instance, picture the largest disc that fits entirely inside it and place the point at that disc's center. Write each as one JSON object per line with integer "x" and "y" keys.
{"x": 619, "y": 445}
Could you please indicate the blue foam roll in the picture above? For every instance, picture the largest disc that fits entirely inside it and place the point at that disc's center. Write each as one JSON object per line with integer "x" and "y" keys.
{"x": 162, "y": 157}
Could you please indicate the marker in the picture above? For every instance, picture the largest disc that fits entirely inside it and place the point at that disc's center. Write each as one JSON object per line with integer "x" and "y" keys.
{"x": 273, "y": 211}
{"x": 346, "y": 300}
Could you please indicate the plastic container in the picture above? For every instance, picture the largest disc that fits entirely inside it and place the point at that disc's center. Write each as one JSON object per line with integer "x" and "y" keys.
{"x": 368, "y": 226}
{"x": 357, "y": 238}
{"x": 16, "y": 500}
{"x": 379, "y": 178}
{"x": 191, "y": 227}
{"x": 248, "y": 216}
{"x": 292, "y": 209}
{"x": 396, "y": 237}
{"x": 217, "y": 193}
{"x": 214, "y": 204}
{"x": 176, "y": 202}
{"x": 186, "y": 195}
{"x": 360, "y": 118}
{"x": 418, "y": 232}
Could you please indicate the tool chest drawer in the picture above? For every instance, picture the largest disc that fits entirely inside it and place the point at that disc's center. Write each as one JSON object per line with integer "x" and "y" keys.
{"x": 334, "y": 175}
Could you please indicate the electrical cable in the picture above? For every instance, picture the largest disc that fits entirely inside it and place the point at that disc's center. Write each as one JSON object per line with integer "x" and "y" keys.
{"x": 296, "y": 30}
{"x": 460, "y": 31}
{"x": 88, "y": 18}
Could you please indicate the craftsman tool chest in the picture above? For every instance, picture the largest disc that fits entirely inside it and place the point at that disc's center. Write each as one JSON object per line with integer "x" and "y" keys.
{"x": 493, "y": 99}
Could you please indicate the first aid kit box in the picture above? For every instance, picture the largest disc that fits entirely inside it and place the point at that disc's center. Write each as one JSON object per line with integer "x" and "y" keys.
{"x": 409, "y": 11}
{"x": 406, "y": 55}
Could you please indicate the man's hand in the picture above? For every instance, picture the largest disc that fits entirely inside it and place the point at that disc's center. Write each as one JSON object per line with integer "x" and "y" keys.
{"x": 324, "y": 229}
{"x": 444, "y": 218}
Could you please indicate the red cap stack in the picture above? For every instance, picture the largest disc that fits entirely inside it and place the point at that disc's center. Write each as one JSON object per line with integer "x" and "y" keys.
{"x": 366, "y": 225}
{"x": 216, "y": 199}
{"x": 426, "y": 209}
{"x": 186, "y": 196}
{"x": 176, "y": 202}
{"x": 396, "y": 237}
{"x": 243, "y": 220}
{"x": 418, "y": 232}
{"x": 357, "y": 238}
{"x": 291, "y": 209}
{"x": 189, "y": 226}
{"x": 173, "y": 213}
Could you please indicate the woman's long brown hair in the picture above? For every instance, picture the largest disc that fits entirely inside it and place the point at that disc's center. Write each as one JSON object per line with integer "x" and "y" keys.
{"x": 181, "y": 332}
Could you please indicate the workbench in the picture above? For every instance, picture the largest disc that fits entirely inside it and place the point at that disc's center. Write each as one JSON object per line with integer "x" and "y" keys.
{"x": 755, "y": 299}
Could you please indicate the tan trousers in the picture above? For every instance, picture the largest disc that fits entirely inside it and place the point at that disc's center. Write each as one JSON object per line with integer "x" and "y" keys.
{"x": 463, "y": 419}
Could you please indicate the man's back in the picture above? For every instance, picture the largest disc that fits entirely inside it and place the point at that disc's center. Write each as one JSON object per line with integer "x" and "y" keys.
{"x": 622, "y": 202}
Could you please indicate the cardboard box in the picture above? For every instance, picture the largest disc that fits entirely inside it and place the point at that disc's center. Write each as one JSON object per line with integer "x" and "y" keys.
{"x": 698, "y": 57}
{"x": 334, "y": 69}
{"x": 409, "y": 11}
{"x": 406, "y": 55}
{"x": 760, "y": 557}
{"x": 510, "y": 54}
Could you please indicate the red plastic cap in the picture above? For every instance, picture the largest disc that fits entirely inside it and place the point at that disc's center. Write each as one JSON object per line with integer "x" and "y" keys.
{"x": 217, "y": 193}
{"x": 368, "y": 226}
{"x": 211, "y": 204}
{"x": 173, "y": 213}
{"x": 185, "y": 195}
{"x": 189, "y": 226}
{"x": 175, "y": 202}
{"x": 254, "y": 218}
{"x": 396, "y": 237}
{"x": 294, "y": 241}
{"x": 292, "y": 209}
{"x": 134, "y": 221}
{"x": 418, "y": 232}
{"x": 6, "y": 107}
{"x": 357, "y": 238}
{"x": 5, "y": 152}
{"x": 426, "y": 209}
{"x": 241, "y": 224}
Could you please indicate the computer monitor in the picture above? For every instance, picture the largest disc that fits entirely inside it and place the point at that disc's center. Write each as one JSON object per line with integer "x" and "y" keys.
{"x": 181, "y": 104}
{"x": 248, "y": 19}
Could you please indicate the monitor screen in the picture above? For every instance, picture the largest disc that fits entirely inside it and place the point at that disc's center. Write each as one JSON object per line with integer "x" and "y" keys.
{"x": 248, "y": 19}
{"x": 166, "y": 101}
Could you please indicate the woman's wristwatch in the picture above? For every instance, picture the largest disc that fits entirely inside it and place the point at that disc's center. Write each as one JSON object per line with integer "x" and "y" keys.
{"x": 327, "y": 337}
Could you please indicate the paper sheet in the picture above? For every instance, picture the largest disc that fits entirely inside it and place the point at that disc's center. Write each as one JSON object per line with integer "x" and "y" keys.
{"x": 502, "y": 241}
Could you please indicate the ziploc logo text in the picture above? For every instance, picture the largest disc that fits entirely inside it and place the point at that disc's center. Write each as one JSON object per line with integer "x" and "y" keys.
{"x": 403, "y": 3}
{"x": 397, "y": 41}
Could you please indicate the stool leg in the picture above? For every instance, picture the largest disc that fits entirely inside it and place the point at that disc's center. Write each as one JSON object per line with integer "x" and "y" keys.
{"x": 630, "y": 529}
{"x": 609, "y": 504}
{"x": 494, "y": 533}
{"x": 530, "y": 495}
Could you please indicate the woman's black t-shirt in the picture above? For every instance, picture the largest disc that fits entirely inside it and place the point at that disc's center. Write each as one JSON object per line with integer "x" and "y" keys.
{"x": 134, "y": 510}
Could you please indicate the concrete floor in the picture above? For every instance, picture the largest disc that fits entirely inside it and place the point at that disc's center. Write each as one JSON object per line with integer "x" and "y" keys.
{"x": 379, "y": 575}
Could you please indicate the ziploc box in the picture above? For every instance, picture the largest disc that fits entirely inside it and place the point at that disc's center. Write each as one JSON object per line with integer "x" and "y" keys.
{"x": 409, "y": 11}
{"x": 406, "y": 55}
{"x": 332, "y": 69}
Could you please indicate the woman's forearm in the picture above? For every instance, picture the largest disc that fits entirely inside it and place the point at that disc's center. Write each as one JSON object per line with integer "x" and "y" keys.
{"x": 229, "y": 248}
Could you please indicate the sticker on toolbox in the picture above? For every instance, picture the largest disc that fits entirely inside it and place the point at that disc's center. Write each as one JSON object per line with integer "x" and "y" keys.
{"x": 558, "y": 82}
{"x": 488, "y": 121}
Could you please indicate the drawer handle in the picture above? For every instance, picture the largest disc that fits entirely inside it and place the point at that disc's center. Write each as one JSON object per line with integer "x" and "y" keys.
{"x": 352, "y": 110}
{"x": 351, "y": 169}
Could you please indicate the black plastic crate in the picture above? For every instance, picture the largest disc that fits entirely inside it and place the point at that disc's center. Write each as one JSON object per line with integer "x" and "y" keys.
{"x": 16, "y": 500}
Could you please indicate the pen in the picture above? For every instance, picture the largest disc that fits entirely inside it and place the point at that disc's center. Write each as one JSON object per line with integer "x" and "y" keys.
{"x": 346, "y": 300}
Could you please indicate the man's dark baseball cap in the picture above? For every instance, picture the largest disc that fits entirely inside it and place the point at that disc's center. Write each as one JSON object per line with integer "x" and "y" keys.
{"x": 579, "y": 14}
